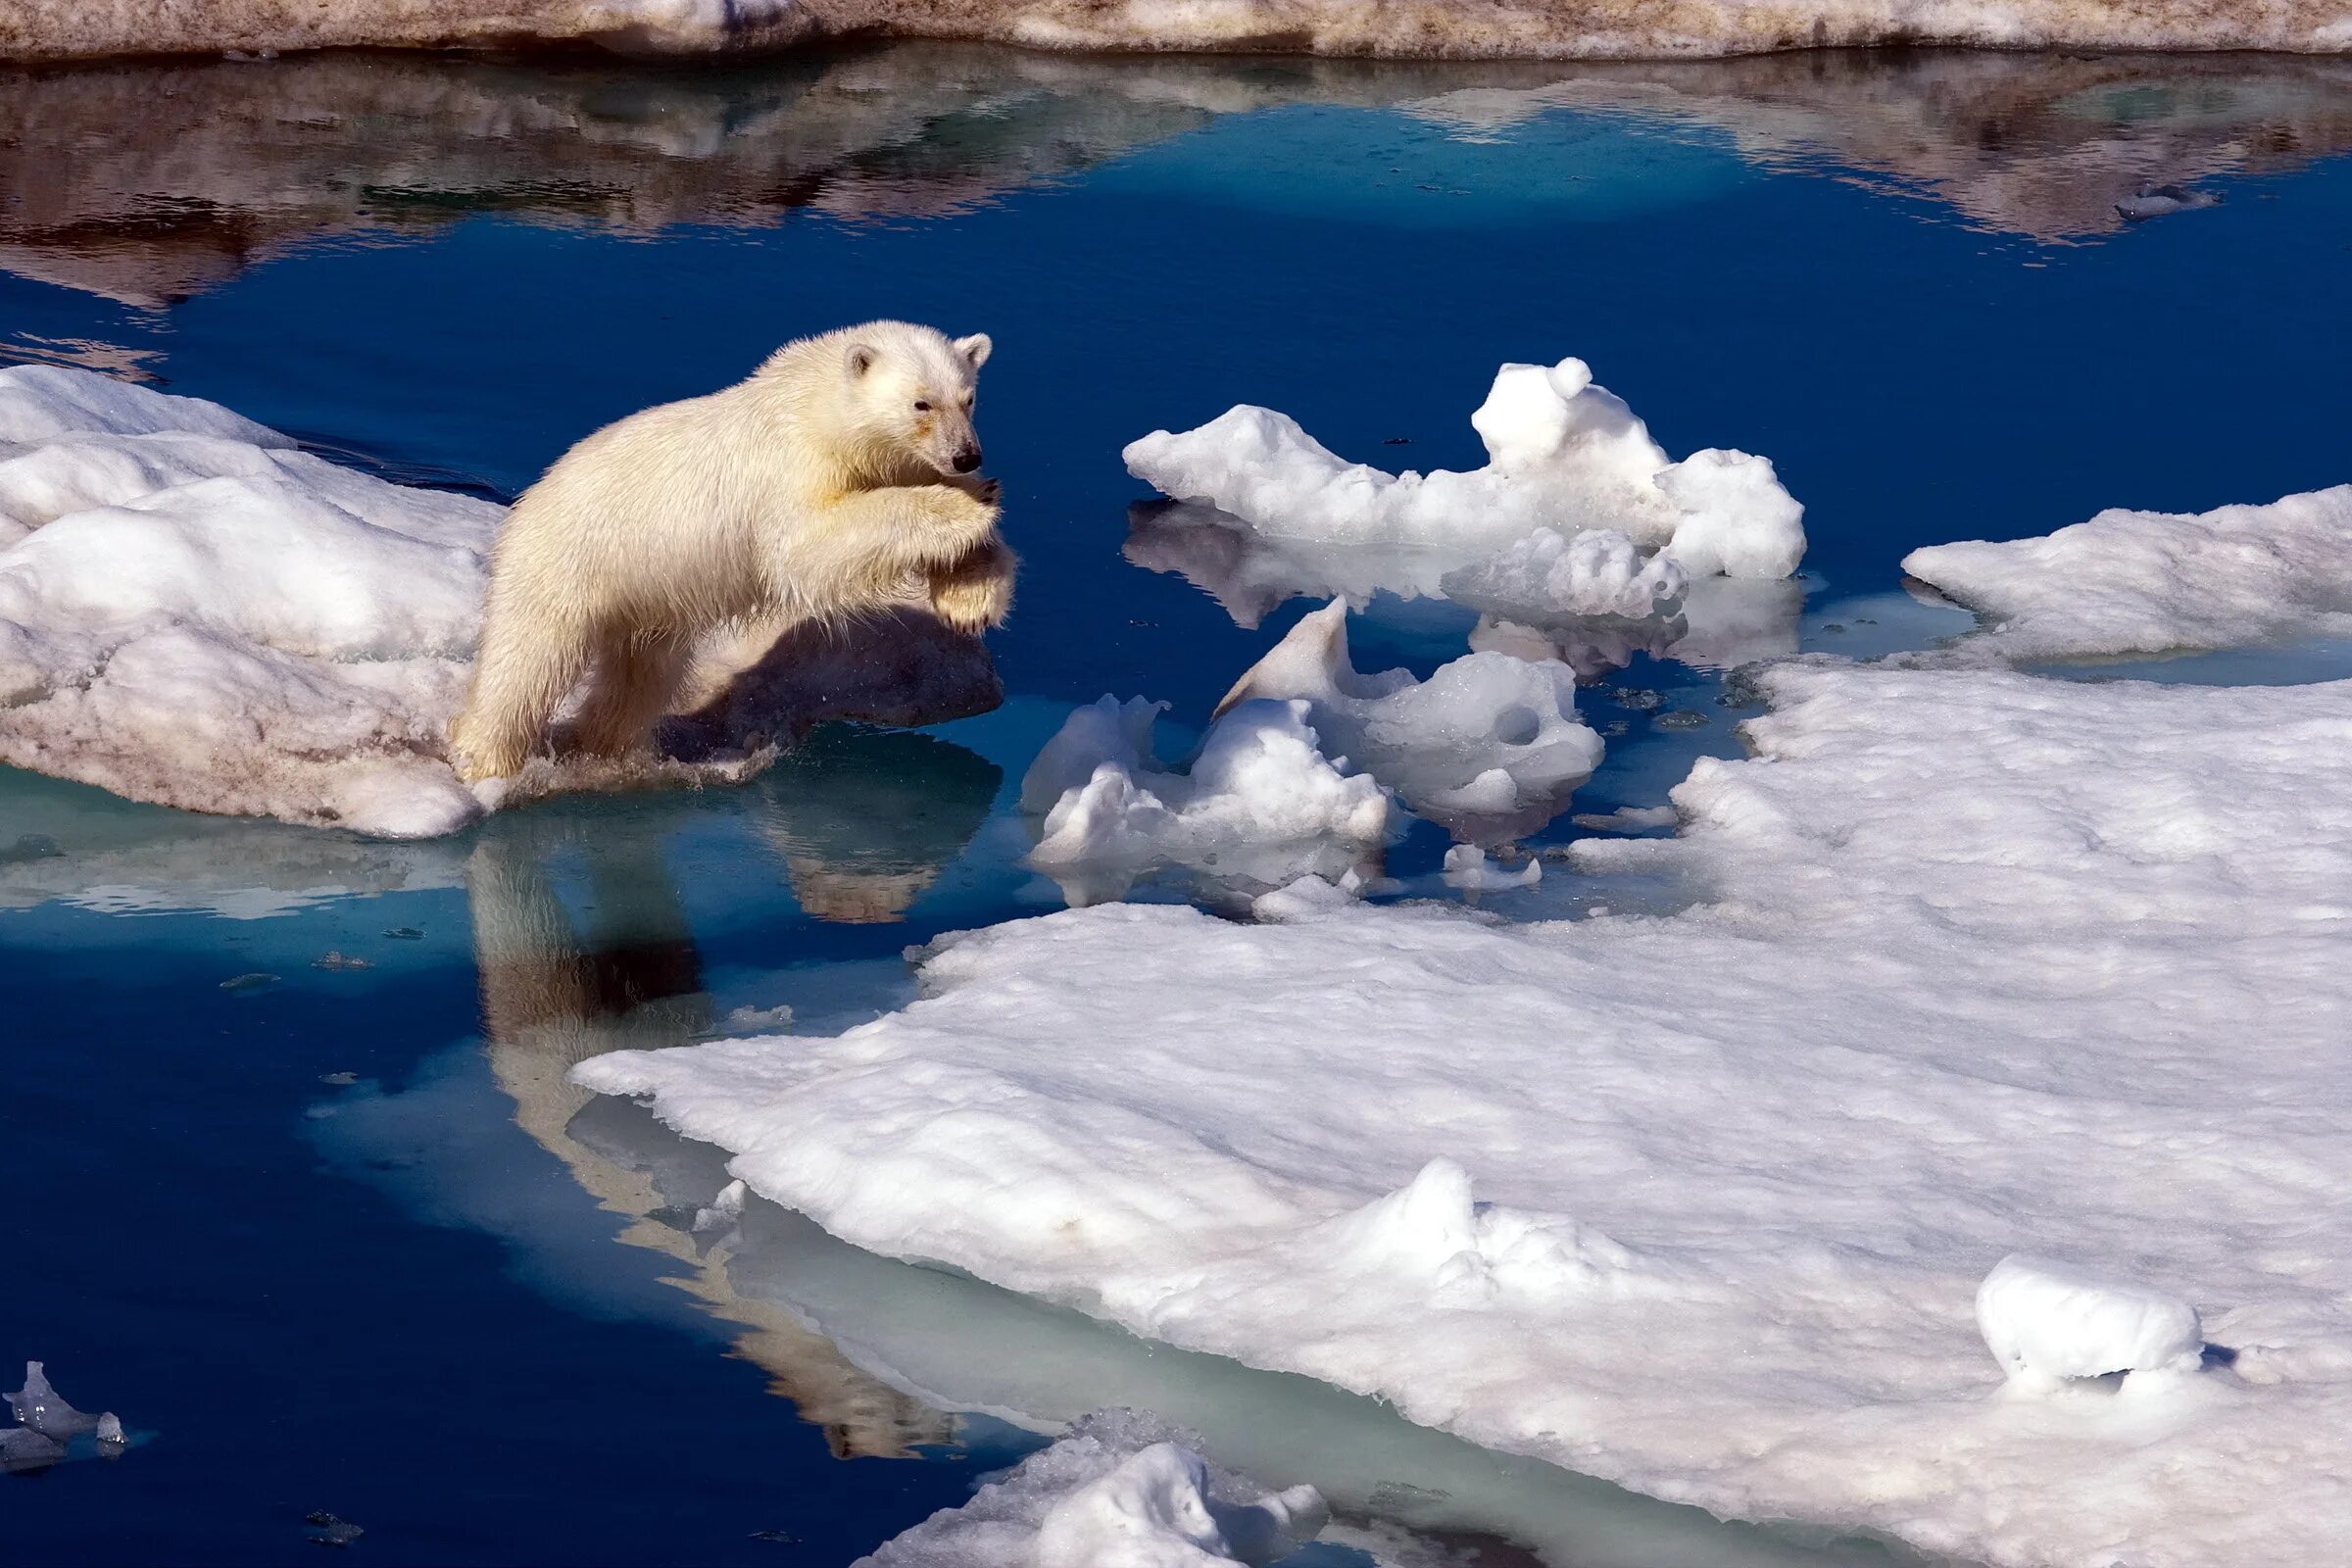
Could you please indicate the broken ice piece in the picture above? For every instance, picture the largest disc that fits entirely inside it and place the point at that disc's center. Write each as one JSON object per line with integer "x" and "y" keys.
{"x": 781, "y": 1537}
{"x": 332, "y": 960}
{"x": 38, "y": 1406}
{"x": 405, "y": 933}
{"x": 111, "y": 1436}
{"x": 339, "y": 1080}
{"x": 724, "y": 1210}
{"x": 23, "y": 1448}
{"x": 2048, "y": 1323}
{"x": 248, "y": 982}
{"x": 1469, "y": 868}
{"x": 332, "y": 1532}
{"x": 2158, "y": 201}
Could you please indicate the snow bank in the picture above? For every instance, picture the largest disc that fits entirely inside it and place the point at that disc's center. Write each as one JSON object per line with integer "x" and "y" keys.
{"x": 1121, "y": 1491}
{"x": 1490, "y": 744}
{"x": 1986, "y": 963}
{"x": 1563, "y": 454}
{"x": 193, "y": 612}
{"x": 1261, "y": 803}
{"x": 68, "y": 29}
{"x": 2152, "y": 582}
{"x": 2046, "y": 1323}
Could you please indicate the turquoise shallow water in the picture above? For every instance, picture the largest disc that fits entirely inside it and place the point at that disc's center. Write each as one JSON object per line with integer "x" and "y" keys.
{"x": 340, "y": 1238}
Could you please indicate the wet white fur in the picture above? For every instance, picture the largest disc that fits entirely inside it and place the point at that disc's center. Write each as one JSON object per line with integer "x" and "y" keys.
{"x": 813, "y": 490}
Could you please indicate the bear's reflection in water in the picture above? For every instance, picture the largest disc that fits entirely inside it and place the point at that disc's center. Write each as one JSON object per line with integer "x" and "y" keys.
{"x": 862, "y": 822}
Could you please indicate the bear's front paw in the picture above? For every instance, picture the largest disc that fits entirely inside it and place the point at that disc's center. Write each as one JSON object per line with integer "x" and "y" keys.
{"x": 975, "y": 592}
{"x": 988, "y": 491}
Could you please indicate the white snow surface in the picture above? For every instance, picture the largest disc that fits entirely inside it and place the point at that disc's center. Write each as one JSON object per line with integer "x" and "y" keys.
{"x": 1122, "y": 1489}
{"x": 2047, "y": 1322}
{"x": 1563, "y": 454}
{"x": 192, "y": 611}
{"x": 1262, "y": 801}
{"x": 1490, "y": 739}
{"x": 1985, "y": 964}
{"x": 2151, "y": 582}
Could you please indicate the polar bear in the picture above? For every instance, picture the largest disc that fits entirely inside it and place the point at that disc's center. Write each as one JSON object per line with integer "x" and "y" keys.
{"x": 840, "y": 478}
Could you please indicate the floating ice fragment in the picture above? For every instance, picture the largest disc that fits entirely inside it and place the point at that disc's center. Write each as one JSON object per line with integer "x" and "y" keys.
{"x": 2047, "y": 1322}
{"x": 1490, "y": 744}
{"x": 38, "y": 1406}
{"x": 332, "y": 1532}
{"x": 2159, "y": 201}
{"x": 256, "y": 981}
{"x": 334, "y": 959}
{"x": 1122, "y": 1489}
{"x": 23, "y": 1448}
{"x": 1261, "y": 803}
{"x": 1469, "y": 868}
{"x": 338, "y": 1080}
{"x": 748, "y": 1019}
{"x": 722, "y": 1212}
{"x": 1563, "y": 454}
{"x": 405, "y": 933}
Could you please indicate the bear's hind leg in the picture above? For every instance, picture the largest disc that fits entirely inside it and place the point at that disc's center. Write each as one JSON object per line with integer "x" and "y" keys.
{"x": 634, "y": 684}
{"x": 517, "y": 683}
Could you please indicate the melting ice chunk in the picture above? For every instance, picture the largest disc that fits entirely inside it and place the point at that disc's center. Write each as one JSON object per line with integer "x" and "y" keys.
{"x": 38, "y": 1406}
{"x": 2047, "y": 1322}
{"x": 1598, "y": 572}
{"x": 1487, "y": 745}
{"x": 1563, "y": 454}
{"x": 1261, "y": 803}
{"x": 1123, "y": 1489}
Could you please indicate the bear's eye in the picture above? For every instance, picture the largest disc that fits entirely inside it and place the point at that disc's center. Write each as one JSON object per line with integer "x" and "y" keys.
{"x": 920, "y": 407}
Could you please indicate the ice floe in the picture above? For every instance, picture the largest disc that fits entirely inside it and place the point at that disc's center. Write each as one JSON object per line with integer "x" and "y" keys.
{"x": 48, "y": 1427}
{"x": 1121, "y": 1489}
{"x": 1261, "y": 803}
{"x": 1563, "y": 454}
{"x": 2151, "y": 582}
{"x": 193, "y": 612}
{"x": 1983, "y": 963}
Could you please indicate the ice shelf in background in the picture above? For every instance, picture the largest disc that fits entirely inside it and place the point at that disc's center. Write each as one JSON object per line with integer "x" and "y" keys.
{"x": 72, "y": 30}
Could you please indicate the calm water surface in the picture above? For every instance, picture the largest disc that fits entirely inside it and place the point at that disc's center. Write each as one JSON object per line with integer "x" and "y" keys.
{"x": 342, "y": 1238}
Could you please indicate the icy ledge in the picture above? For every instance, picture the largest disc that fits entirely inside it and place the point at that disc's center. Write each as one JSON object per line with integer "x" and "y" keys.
{"x": 1122, "y": 1489}
{"x": 1702, "y": 1205}
{"x": 2152, "y": 582}
{"x": 1542, "y": 29}
{"x": 1564, "y": 456}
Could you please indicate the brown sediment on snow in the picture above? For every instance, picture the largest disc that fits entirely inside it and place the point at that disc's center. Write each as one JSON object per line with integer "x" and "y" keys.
{"x": 1450, "y": 30}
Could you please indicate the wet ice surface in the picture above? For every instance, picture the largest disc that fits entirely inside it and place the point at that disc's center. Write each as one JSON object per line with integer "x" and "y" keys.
{"x": 341, "y": 1180}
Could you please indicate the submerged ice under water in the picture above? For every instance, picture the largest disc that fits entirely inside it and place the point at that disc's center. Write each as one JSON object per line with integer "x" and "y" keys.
{"x": 362, "y": 1188}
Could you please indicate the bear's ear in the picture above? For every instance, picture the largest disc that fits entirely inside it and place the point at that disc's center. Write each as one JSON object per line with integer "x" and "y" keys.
{"x": 974, "y": 349}
{"x": 860, "y": 359}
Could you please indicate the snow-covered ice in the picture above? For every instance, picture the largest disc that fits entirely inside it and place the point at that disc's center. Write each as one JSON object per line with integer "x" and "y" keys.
{"x": 1563, "y": 454}
{"x": 1261, "y": 803}
{"x": 1984, "y": 964}
{"x": 1473, "y": 871}
{"x": 195, "y": 614}
{"x": 2046, "y": 1323}
{"x": 1488, "y": 745}
{"x": 2152, "y": 582}
{"x": 1122, "y": 1489}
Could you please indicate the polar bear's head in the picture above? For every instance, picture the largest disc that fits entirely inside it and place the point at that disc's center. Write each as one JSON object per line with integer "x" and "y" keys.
{"x": 909, "y": 395}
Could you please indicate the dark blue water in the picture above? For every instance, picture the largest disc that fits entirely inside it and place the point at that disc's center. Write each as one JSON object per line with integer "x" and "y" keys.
{"x": 442, "y": 1297}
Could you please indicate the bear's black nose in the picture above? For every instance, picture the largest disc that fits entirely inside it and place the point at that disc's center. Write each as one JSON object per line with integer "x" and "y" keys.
{"x": 967, "y": 459}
